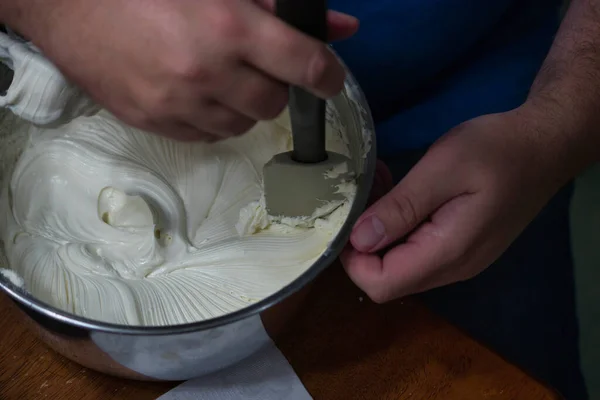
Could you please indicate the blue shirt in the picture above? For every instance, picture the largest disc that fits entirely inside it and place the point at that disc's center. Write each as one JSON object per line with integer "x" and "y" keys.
{"x": 428, "y": 65}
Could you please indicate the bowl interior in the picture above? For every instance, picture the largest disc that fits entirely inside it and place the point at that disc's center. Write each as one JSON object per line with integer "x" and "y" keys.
{"x": 349, "y": 110}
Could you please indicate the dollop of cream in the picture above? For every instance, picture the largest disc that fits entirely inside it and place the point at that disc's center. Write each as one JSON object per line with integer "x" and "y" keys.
{"x": 108, "y": 222}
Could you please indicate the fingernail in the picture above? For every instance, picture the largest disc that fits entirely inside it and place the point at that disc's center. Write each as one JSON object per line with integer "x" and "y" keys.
{"x": 349, "y": 18}
{"x": 368, "y": 233}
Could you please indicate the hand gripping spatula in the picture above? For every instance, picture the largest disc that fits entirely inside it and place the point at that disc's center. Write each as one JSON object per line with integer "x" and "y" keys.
{"x": 299, "y": 182}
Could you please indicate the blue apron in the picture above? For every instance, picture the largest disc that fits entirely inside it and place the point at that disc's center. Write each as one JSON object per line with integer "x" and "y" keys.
{"x": 428, "y": 65}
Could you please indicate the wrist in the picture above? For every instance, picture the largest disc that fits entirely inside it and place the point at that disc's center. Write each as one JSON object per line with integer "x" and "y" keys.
{"x": 566, "y": 131}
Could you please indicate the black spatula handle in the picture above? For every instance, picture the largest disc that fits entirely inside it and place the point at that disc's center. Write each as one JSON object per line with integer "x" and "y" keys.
{"x": 308, "y": 16}
{"x": 307, "y": 112}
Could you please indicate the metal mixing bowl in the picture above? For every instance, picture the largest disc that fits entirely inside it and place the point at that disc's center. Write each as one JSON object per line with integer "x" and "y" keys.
{"x": 186, "y": 351}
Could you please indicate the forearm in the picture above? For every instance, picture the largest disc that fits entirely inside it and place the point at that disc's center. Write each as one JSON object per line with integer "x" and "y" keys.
{"x": 567, "y": 89}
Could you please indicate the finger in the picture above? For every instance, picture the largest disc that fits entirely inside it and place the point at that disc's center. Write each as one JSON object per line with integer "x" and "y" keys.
{"x": 366, "y": 270}
{"x": 341, "y": 25}
{"x": 383, "y": 280}
{"x": 435, "y": 255}
{"x": 219, "y": 120}
{"x": 183, "y": 132}
{"x": 290, "y": 56}
{"x": 385, "y": 174}
{"x": 254, "y": 94}
{"x": 382, "y": 182}
{"x": 170, "y": 128}
{"x": 425, "y": 188}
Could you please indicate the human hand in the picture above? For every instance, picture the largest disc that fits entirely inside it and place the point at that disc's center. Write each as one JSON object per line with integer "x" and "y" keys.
{"x": 190, "y": 70}
{"x": 459, "y": 208}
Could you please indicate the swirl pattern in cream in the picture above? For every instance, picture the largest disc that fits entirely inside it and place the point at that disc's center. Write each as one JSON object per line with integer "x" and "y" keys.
{"x": 120, "y": 226}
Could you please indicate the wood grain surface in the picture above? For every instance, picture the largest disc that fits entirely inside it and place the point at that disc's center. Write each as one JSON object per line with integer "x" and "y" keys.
{"x": 341, "y": 345}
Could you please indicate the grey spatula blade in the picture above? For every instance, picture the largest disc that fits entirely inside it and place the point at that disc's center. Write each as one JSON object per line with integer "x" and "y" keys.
{"x": 299, "y": 182}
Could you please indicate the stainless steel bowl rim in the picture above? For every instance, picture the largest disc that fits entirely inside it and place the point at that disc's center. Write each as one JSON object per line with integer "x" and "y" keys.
{"x": 355, "y": 95}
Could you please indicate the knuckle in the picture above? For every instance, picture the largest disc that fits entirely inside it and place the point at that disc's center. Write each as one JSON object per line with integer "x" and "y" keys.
{"x": 404, "y": 209}
{"x": 226, "y": 22}
{"x": 318, "y": 67}
{"x": 185, "y": 66}
{"x": 181, "y": 60}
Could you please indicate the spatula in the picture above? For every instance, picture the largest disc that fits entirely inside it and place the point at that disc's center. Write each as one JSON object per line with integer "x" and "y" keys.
{"x": 306, "y": 179}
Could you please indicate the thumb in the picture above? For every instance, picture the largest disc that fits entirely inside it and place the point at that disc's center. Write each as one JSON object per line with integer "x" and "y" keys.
{"x": 402, "y": 210}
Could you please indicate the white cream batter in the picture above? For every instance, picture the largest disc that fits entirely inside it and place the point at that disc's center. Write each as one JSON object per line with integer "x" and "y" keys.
{"x": 116, "y": 225}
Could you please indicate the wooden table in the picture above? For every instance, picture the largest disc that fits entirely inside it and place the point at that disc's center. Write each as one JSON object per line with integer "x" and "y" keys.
{"x": 341, "y": 345}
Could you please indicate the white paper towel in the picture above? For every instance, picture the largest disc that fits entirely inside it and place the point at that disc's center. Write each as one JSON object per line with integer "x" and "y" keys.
{"x": 266, "y": 375}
